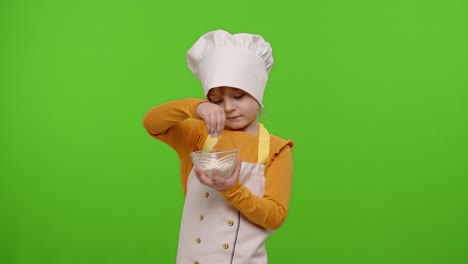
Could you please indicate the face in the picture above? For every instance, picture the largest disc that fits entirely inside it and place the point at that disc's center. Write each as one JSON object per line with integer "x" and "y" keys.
{"x": 240, "y": 107}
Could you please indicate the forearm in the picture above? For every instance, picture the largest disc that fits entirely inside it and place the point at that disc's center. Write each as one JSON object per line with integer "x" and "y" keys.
{"x": 265, "y": 212}
{"x": 271, "y": 209}
{"x": 162, "y": 117}
{"x": 176, "y": 123}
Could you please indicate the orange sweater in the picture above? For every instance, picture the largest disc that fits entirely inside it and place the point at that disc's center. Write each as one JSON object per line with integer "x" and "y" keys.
{"x": 176, "y": 123}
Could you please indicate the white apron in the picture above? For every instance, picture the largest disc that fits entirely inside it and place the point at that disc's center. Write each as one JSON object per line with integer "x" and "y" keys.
{"x": 214, "y": 232}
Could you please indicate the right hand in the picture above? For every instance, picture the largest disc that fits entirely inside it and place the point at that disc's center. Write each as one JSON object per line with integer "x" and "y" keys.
{"x": 214, "y": 118}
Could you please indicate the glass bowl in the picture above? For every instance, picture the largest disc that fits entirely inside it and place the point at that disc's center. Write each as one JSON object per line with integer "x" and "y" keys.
{"x": 223, "y": 160}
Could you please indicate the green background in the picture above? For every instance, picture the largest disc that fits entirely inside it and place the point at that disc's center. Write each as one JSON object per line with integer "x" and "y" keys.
{"x": 374, "y": 94}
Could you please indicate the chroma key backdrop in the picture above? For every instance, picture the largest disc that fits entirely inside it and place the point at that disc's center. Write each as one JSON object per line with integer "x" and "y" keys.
{"x": 373, "y": 93}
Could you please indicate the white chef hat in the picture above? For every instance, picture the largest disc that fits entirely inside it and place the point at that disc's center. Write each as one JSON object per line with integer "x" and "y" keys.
{"x": 241, "y": 60}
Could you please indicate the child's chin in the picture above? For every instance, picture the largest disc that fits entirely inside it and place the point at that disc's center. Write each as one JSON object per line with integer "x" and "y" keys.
{"x": 234, "y": 128}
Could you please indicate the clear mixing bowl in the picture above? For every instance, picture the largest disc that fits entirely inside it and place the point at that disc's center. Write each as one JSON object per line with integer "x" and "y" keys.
{"x": 223, "y": 160}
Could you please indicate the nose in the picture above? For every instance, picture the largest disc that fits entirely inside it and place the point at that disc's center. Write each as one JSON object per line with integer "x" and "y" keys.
{"x": 229, "y": 105}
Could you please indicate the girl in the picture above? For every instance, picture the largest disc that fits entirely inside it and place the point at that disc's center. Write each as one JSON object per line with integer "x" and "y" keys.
{"x": 227, "y": 220}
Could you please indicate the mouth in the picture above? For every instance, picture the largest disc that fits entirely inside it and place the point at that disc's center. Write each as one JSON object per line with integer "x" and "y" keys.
{"x": 231, "y": 117}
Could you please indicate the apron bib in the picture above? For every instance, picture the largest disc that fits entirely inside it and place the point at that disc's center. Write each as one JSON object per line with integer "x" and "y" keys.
{"x": 214, "y": 232}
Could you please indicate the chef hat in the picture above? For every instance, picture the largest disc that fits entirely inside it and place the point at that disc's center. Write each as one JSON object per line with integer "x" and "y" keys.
{"x": 241, "y": 60}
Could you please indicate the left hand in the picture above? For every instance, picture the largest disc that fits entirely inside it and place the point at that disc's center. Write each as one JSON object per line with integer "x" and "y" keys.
{"x": 217, "y": 182}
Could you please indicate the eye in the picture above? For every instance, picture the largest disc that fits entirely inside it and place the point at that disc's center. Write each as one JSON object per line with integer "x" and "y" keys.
{"x": 238, "y": 96}
{"x": 216, "y": 100}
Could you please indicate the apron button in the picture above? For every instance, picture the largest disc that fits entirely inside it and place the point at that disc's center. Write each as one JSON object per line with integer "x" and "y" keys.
{"x": 230, "y": 222}
{"x": 198, "y": 240}
{"x": 207, "y": 194}
{"x": 225, "y": 245}
{"x": 201, "y": 217}
{"x": 196, "y": 262}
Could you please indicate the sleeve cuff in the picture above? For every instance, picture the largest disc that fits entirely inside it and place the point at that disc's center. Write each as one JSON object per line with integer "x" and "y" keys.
{"x": 232, "y": 190}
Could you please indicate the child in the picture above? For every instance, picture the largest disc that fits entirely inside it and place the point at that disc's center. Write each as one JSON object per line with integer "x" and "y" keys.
{"x": 227, "y": 220}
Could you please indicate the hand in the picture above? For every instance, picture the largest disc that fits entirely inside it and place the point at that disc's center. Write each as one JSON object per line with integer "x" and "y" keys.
{"x": 217, "y": 182}
{"x": 214, "y": 118}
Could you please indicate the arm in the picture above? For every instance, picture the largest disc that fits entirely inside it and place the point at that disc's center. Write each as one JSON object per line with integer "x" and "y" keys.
{"x": 173, "y": 123}
{"x": 269, "y": 211}
{"x": 176, "y": 124}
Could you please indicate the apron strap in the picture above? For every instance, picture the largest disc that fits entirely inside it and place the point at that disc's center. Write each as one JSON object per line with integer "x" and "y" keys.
{"x": 263, "y": 144}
